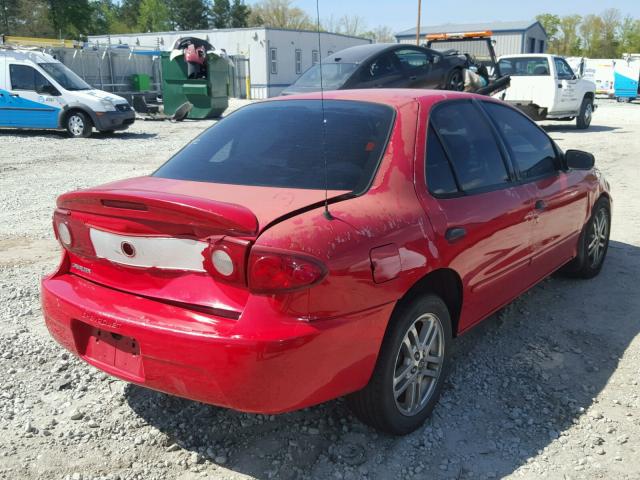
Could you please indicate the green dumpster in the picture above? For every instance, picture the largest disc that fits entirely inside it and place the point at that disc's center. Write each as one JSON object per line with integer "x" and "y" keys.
{"x": 141, "y": 82}
{"x": 209, "y": 96}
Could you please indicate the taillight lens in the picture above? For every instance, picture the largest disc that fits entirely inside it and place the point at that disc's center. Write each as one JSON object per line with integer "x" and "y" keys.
{"x": 64, "y": 234}
{"x": 275, "y": 271}
{"x": 225, "y": 260}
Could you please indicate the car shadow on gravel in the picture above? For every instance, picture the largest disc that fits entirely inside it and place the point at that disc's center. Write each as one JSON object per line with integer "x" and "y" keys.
{"x": 520, "y": 381}
{"x": 571, "y": 127}
{"x": 61, "y": 134}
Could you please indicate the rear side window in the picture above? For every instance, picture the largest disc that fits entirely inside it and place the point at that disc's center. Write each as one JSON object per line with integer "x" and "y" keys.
{"x": 439, "y": 175}
{"x": 412, "y": 59}
{"x": 524, "y": 66}
{"x": 529, "y": 147}
{"x": 470, "y": 145}
{"x": 281, "y": 144}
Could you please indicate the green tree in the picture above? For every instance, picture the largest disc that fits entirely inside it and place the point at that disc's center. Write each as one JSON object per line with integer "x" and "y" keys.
{"x": 153, "y": 16}
{"x": 610, "y": 32}
{"x": 629, "y": 36}
{"x": 239, "y": 14}
{"x": 9, "y": 16}
{"x": 280, "y": 14}
{"x": 34, "y": 19}
{"x": 221, "y": 14}
{"x": 551, "y": 24}
{"x": 591, "y": 30}
{"x": 129, "y": 13}
{"x": 569, "y": 42}
{"x": 70, "y": 18}
{"x": 188, "y": 14}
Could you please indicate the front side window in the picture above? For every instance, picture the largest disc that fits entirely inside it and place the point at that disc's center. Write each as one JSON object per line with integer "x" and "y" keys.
{"x": 288, "y": 148}
{"x": 524, "y": 66}
{"x": 563, "y": 69}
{"x": 529, "y": 147}
{"x": 470, "y": 145}
{"x": 381, "y": 67}
{"x": 24, "y": 77}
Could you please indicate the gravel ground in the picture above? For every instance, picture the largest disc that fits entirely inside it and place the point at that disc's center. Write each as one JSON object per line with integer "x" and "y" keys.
{"x": 547, "y": 388}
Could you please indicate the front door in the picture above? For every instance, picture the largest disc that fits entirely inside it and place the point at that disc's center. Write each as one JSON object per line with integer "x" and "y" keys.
{"x": 418, "y": 66}
{"x": 31, "y": 101}
{"x": 383, "y": 71}
{"x": 481, "y": 218}
{"x": 566, "y": 83}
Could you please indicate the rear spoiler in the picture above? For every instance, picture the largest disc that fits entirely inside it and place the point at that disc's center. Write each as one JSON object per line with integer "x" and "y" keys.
{"x": 163, "y": 207}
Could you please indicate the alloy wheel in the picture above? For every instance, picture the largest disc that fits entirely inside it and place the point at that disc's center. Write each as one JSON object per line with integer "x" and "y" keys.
{"x": 456, "y": 83}
{"x": 598, "y": 238}
{"x": 588, "y": 112}
{"x": 418, "y": 364}
{"x": 76, "y": 125}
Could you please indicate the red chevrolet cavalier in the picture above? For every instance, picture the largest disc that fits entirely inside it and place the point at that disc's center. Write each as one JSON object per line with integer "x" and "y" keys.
{"x": 301, "y": 249}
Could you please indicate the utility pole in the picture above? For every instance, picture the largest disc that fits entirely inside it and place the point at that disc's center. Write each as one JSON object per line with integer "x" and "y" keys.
{"x": 418, "y": 27}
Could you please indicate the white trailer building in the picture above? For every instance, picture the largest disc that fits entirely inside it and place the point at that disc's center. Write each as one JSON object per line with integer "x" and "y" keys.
{"x": 276, "y": 57}
{"x": 511, "y": 37}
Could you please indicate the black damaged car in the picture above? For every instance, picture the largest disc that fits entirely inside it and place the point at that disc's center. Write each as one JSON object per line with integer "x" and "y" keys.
{"x": 383, "y": 65}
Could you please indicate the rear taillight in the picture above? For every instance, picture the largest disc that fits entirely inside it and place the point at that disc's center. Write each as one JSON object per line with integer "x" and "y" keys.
{"x": 225, "y": 260}
{"x": 273, "y": 271}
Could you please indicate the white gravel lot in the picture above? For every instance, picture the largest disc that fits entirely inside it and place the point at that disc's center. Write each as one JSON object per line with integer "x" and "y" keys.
{"x": 548, "y": 388}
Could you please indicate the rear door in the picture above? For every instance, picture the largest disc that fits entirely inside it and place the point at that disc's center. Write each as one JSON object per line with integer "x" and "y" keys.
{"x": 481, "y": 217}
{"x": 384, "y": 71}
{"x": 30, "y": 98}
{"x": 560, "y": 199}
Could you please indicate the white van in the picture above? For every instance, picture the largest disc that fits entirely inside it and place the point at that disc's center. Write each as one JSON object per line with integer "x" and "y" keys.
{"x": 37, "y": 91}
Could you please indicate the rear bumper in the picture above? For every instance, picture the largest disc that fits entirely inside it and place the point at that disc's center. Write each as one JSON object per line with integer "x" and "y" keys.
{"x": 283, "y": 364}
{"x": 106, "y": 121}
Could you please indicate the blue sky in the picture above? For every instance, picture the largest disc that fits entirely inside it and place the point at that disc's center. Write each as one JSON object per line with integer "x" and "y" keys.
{"x": 400, "y": 14}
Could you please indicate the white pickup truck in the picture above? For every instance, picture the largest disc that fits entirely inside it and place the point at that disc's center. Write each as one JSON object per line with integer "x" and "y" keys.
{"x": 544, "y": 87}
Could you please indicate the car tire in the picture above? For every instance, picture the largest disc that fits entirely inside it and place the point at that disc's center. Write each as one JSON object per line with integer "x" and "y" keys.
{"x": 583, "y": 120}
{"x": 78, "y": 125}
{"x": 410, "y": 370}
{"x": 590, "y": 258}
{"x": 455, "y": 80}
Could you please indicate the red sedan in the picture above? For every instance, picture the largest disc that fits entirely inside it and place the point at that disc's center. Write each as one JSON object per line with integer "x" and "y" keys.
{"x": 301, "y": 250}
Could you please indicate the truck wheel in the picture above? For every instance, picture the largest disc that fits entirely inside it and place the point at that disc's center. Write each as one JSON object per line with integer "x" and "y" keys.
{"x": 79, "y": 125}
{"x": 410, "y": 370}
{"x": 583, "y": 120}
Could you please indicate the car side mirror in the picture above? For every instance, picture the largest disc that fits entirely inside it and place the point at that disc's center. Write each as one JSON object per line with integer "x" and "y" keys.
{"x": 435, "y": 59}
{"x": 579, "y": 160}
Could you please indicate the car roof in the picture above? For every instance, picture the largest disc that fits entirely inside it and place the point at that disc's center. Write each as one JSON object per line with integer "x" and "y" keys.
{"x": 394, "y": 97}
{"x": 361, "y": 53}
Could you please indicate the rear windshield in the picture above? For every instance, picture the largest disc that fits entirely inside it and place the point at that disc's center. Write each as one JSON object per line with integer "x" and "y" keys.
{"x": 524, "y": 66}
{"x": 280, "y": 144}
{"x": 334, "y": 75}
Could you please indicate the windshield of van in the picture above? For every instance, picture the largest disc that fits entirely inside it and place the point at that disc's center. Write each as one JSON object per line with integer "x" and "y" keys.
{"x": 281, "y": 144}
{"x": 334, "y": 75}
{"x": 64, "y": 76}
{"x": 524, "y": 66}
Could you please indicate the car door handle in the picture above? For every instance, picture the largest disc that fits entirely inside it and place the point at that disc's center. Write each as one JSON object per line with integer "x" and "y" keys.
{"x": 413, "y": 77}
{"x": 455, "y": 233}
{"x": 559, "y": 85}
{"x": 540, "y": 205}
{"x": 14, "y": 94}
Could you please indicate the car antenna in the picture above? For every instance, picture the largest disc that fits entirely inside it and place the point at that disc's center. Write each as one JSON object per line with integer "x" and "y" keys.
{"x": 327, "y": 213}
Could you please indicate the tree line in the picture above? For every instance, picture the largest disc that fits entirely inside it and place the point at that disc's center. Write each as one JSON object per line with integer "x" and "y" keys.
{"x": 75, "y": 19}
{"x": 608, "y": 35}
